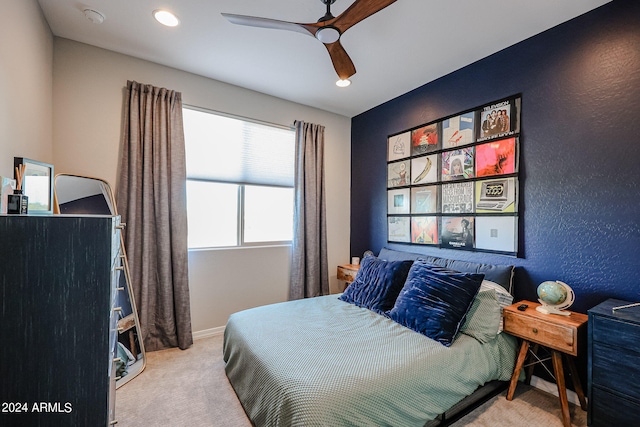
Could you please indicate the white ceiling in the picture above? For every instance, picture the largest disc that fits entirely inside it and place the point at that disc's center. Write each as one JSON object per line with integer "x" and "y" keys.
{"x": 402, "y": 47}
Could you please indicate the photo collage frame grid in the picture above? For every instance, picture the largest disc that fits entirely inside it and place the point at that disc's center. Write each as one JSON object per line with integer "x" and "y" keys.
{"x": 453, "y": 183}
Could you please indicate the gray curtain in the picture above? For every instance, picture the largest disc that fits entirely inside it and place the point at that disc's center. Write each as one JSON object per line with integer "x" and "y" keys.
{"x": 151, "y": 199}
{"x": 309, "y": 271}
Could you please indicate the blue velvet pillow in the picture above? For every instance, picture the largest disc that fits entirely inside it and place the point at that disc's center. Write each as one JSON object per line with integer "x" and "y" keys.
{"x": 377, "y": 284}
{"x": 434, "y": 301}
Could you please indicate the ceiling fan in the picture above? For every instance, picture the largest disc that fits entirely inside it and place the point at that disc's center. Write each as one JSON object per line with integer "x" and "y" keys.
{"x": 328, "y": 29}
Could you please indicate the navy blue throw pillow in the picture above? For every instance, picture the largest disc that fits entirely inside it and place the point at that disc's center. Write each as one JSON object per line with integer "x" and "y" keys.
{"x": 434, "y": 301}
{"x": 377, "y": 284}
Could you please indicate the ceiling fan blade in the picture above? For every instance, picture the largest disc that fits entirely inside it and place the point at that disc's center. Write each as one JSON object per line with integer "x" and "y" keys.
{"x": 358, "y": 11}
{"x": 254, "y": 21}
{"x": 341, "y": 61}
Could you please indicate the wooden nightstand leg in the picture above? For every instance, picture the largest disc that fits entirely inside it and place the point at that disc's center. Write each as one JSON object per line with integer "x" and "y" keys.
{"x": 534, "y": 350}
{"x": 562, "y": 389}
{"x": 522, "y": 355}
{"x": 576, "y": 383}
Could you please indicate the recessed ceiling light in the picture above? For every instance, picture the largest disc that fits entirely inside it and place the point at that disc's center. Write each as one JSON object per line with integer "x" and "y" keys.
{"x": 343, "y": 83}
{"x": 166, "y": 18}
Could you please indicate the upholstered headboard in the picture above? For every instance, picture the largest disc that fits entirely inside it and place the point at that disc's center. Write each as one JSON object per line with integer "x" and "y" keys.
{"x": 501, "y": 274}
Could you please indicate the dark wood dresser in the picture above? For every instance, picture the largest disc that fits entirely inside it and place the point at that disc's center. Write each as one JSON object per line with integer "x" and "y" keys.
{"x": 58, "y": 284}
{"x": 614, "y": 365}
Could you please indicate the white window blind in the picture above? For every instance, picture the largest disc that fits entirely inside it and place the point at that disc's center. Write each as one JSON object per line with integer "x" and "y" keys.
{"x": 230, "y": 150}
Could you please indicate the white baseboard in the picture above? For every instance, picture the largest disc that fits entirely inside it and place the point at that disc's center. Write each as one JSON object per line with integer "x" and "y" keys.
{"x": 552, "y": 388}
{"x": 198, "y": 335}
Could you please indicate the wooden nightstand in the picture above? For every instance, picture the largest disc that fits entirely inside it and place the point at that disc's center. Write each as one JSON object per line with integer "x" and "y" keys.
{"x": 347, "y": 273}
{"x": 560, "y": 334}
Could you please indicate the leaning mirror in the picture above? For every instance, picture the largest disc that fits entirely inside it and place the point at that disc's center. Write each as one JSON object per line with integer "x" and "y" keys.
{"x": 81, "y": 195}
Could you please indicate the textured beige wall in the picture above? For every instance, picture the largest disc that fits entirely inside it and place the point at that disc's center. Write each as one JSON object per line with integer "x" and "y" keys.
{"x": 88, "y": 94}
{"x": 26, "y": 55}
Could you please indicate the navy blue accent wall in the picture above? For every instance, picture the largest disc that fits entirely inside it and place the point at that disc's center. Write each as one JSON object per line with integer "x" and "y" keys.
{"x": 580, "y": 153}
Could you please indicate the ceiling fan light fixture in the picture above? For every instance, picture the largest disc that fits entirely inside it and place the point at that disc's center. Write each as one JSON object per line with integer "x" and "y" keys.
{"x": 343, "y": 82}
{"x": 166, "y": 18}
{"x": 328, "y": 35}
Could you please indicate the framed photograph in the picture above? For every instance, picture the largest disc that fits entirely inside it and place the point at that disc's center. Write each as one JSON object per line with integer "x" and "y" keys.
{"x": 399, "y": 146}
{"x": 424, "y": 230}
{"x": 399, "y": 229}
{"x": 459, "y": 130}
{"x": 37, "y": 185}
{"x": 457, "y": 164}
{"x": 398, "y": 174}
{"x": 424, "y": 199}
{"x": 496, "y": 158}
{"x": 500, "y": 119}
{"x": 424, "y": 169}
{"x": 457, "y": 232}
{"x": 496, "y": 195}
{"x": 398, "y": 201}
{"x": 425, "y": 140}
{"x": 457, "y": 198}
{"x": 497, "y": 233}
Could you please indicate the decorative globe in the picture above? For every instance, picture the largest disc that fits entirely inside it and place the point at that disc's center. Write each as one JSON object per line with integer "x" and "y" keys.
{"x": 555, "y": 296}
{"x": 552, "y": 293}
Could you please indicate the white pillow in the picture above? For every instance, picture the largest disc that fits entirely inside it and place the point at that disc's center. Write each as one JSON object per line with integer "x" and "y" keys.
{"x": 503, "y": 297}
{"x": 484, "y": 316}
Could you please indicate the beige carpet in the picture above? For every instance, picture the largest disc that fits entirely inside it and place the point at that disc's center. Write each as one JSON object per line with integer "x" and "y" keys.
{"x": 181, "y": 388}
{"x": 530, "y": 407}
{"x": 189, "y": 388}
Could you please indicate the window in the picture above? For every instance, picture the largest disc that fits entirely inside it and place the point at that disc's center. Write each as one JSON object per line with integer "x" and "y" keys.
{"x": 239, "y": 181}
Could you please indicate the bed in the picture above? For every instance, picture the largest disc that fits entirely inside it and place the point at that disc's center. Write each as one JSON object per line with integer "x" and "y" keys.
{"x": 328, "y": 361}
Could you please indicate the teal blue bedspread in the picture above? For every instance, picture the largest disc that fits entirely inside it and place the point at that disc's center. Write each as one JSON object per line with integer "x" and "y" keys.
{"x": 324, "y": 362}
